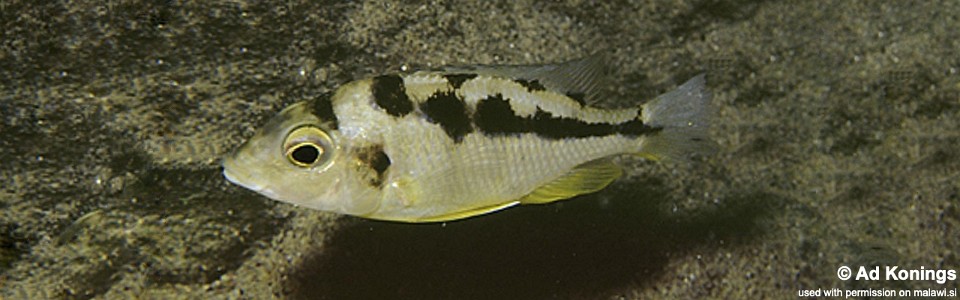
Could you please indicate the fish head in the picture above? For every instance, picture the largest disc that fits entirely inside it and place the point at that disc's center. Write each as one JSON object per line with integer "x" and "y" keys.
{"x": 298, "y": 158}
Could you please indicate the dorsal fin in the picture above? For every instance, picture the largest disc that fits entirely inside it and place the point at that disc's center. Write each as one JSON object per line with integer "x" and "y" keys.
{"x": 578, "y": 79}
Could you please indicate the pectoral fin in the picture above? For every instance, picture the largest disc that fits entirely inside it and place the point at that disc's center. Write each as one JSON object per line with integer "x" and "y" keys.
{"x": 584, "y": 179}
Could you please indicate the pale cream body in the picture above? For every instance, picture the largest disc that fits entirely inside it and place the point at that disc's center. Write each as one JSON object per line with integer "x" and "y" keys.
{"x": 433, "y": 176}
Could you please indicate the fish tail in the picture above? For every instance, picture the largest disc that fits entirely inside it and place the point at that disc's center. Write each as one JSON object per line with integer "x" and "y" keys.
{"x": 684, "y": 115}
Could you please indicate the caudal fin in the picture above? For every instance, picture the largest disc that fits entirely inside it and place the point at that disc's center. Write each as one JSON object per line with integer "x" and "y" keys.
{"x": 684, "y": 114}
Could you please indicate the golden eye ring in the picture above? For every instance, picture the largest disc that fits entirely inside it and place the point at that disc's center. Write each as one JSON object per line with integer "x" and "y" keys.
{"x": 308, "y": 147}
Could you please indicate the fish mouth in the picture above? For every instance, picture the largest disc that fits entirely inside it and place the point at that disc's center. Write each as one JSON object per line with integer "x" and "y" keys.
{"x": 243, "y": 179}
{"x": 233, "y": 178}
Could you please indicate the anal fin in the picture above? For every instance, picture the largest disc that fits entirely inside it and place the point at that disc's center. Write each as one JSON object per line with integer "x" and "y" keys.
{"x": 467, "y": 213}
{"x": 584, "y": 179}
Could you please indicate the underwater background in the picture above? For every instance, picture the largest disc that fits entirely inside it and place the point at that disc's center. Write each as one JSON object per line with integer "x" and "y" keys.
{"x": 838, "y": 124}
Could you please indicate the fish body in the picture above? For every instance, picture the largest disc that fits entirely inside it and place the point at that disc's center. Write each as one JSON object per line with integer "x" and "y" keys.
{"x": 444, "y": 145}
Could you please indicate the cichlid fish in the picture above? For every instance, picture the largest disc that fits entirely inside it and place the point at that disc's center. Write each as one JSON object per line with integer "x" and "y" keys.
{"x": 444, "y": 145}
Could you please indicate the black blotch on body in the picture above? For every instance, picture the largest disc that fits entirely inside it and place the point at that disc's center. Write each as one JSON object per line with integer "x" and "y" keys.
{"x": 390, "y": 94}
{"x": 531, "y": 85}
{"x": 457, "y": 80}
{"x": 495, "y": 116}
{"x": 323, "y": 109}
{"x": 636, "y": 127}
{"x": 448, "y": 111}
{"x": 375, "y": 159}
{"x": 380, "y": 163}
{"x": 579, "y": 97}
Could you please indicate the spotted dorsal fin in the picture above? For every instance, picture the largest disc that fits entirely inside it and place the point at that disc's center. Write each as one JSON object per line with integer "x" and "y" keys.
{"x": 584, "y": 179}
{"x": 579, "y": 79}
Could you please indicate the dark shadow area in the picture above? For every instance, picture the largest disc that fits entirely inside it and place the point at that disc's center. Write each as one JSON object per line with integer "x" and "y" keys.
{"x": 709, "y": 12}
{"x": 12, "y": 246}
{"x": 574, "y": 249}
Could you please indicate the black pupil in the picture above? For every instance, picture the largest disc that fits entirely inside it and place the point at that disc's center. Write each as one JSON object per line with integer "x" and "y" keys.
{"x": 305, "y": 154}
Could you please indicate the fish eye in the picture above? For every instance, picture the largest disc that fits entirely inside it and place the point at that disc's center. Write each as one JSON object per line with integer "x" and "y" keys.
{"x": 308, "y": 147}
{"x": 305, "y": 154}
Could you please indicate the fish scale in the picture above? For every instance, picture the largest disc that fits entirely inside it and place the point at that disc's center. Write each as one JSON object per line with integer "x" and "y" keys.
{"x": 445, "y": 145}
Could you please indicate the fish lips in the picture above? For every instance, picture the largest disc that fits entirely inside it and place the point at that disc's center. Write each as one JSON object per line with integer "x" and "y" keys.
{"x": 244, "y": 179}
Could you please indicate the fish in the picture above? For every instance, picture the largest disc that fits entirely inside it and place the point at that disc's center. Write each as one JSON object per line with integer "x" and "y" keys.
{"x": 458, "y": 142}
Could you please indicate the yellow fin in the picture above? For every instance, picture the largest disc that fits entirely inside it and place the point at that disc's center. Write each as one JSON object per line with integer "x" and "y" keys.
{"x": 584, "y": 179}
{"x": 467, "y": 213}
